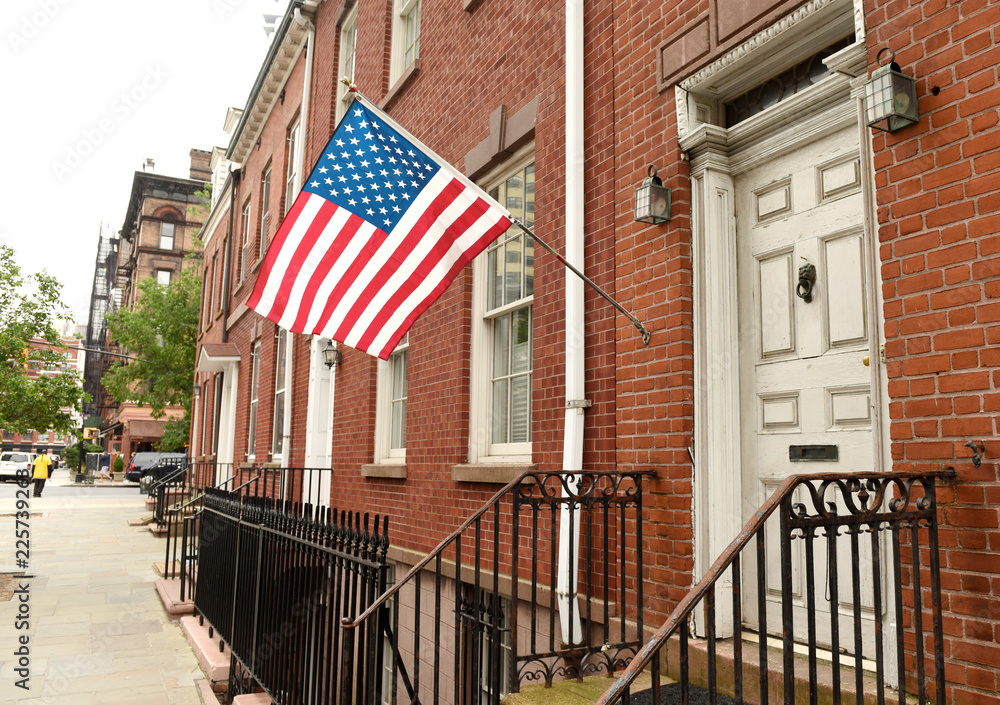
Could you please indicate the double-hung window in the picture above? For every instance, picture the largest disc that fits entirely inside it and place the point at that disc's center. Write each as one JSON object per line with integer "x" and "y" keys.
{"x": 390, "y": 409}
{"x": 348, "y": 47}
{"x": 254, "y": 394}
{"x": 265, "y": 209}
{"x": 405, "y": 36}
{"x": 245, "y": 247}
{"x": 163, "y": 277}
{"x": 293, "y": 138}
{"x": 166, "y": 236}
{"x": 278, "y": 441}
{"x": 503, "y": 357}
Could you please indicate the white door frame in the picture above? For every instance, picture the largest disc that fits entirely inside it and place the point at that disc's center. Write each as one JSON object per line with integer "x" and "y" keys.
{"x": 717, "y": 154}
{"x": 319, "y": 415}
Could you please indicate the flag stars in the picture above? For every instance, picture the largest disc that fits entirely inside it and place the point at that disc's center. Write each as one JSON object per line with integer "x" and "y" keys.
{"x": 328, "y": 181}
{"x": 323, "y": 170}
{"x": 314, "y": 184}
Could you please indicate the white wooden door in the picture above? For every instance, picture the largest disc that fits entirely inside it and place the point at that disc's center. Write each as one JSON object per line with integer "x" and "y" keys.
{"x": 805, "y": 390}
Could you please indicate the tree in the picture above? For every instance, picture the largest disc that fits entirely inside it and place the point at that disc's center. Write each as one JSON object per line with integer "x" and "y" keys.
{"x": 29, "y": 307}
{"x": 161, "y": 331}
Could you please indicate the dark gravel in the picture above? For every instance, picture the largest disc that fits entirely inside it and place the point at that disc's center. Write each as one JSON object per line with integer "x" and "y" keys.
{"x": 670, "y": 694}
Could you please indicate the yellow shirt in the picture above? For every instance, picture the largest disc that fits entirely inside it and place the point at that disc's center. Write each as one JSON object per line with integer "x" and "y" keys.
{"x": 42, "y": 464}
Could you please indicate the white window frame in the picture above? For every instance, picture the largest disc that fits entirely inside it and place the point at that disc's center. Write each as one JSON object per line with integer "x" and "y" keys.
{"x": 348, "y": 53}
{"x": 254, "y": 402}
{"x": 164, "y": 236}
{"x": 482, "y": 449}
{"x": 211, "y": 296}
{"x": 405, "y": 13}
{"x": 245, "y": 245}
{"x": 290, "y": 181}
{"x": 384, "y": 452}
{"x": 280, "y": 395}
{"x": 161, "y": 275}
{"x": 265, "y": 209}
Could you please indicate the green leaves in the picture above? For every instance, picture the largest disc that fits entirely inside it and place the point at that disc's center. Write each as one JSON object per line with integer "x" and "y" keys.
{"x": 30, "y": 305}
{"x": 162, "y": 331}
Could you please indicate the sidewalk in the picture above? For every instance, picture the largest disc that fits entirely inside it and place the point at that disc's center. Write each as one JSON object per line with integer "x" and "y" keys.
{"x": 98, "y": 632}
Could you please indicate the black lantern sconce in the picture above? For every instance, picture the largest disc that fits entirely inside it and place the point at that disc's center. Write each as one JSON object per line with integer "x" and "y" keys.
{"x": 197, "y": 390}
{"x": 652, "y": 200}
{"x": 331, "y": 356}
{"x": 890, "y": 96}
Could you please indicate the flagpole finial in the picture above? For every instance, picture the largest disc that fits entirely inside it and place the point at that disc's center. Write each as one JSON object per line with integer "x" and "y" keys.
{"x": 351, "y": 88}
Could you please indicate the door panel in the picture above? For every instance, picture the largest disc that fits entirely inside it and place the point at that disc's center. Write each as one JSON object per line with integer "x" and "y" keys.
{"x": 803, "y": 381}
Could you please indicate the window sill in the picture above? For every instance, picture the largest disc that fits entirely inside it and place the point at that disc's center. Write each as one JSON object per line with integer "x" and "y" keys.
{"x": 386, "y": 471}
{"x": 409, "y": 73}
{"x": 497, "y": 474}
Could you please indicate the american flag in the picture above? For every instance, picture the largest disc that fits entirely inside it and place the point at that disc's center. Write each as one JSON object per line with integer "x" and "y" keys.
{"x": 378, "y": 232}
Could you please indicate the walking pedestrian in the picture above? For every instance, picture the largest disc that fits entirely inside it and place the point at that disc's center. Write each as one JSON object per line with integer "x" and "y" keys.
{"x": 41, "y": 472}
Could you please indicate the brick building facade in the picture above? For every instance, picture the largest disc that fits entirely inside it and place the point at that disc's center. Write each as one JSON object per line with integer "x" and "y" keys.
{"x": 753, "y": 115}
{"x": 157, "y": 235}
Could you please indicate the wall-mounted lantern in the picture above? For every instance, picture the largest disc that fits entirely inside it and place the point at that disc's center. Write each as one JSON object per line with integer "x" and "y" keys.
{"x": 652, "y": 200}
{"x": 890, "y": 96}
{"x": 331, "y": 356}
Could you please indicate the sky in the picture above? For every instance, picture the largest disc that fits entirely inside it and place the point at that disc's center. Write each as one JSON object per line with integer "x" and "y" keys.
{"x": 91, "y": 88}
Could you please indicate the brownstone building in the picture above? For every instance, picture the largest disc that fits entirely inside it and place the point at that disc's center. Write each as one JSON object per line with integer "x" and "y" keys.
{"x": 824, "y": 297}
{"x": 157, "y": 234}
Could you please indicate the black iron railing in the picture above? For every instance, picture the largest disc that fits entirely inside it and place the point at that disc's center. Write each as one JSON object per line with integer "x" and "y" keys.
{"x": 168, "y": 480}
{"x": 494, "y": 607}
{"x": 181, "y": 520}
{"x": 839, "y": 524}
{"x": 181, "y": 543}
{"x": 275, "y": 580}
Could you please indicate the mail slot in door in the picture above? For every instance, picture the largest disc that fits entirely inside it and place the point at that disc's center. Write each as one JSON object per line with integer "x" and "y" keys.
{"x": 802, "y": 454}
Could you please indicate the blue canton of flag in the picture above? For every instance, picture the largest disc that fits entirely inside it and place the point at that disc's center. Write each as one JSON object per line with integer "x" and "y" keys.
{"x": 372, "y": 170}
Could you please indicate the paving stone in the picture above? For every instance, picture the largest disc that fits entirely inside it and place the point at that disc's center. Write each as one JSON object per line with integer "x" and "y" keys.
{"x": 98, "y": 632}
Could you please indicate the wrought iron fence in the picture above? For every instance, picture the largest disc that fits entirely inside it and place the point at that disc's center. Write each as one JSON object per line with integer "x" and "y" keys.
{"x": 275, "y": 579}
{"x": 180, "y": 519}
{"x": 494, "y": 607}
{"x": 839, "y": 524}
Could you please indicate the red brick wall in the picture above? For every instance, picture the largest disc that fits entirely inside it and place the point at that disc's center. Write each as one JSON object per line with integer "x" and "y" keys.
{"x": 523, "y": 58}
{"x": 938, "y": 217}
{"x": 654, "y": 383}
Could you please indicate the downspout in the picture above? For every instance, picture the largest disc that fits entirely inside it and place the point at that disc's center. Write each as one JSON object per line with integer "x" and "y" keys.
{"x": 569, "y": 527}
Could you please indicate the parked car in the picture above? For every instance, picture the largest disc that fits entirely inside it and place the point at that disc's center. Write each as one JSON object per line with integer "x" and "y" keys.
{"x": 143, "y": 464}
{"x": 12, "y": 461}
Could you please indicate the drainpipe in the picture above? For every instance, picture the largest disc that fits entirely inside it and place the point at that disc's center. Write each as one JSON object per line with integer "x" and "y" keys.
{"x": 569, "y": 536}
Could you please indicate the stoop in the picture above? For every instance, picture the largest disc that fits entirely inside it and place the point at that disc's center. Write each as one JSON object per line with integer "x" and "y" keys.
{"x": 213, "y": 662}
{"x": 169, "y": 591}
{"x": 725, "y": 674}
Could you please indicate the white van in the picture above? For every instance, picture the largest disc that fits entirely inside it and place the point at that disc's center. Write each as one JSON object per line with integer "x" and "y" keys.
{"x": 13, "y": 461}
